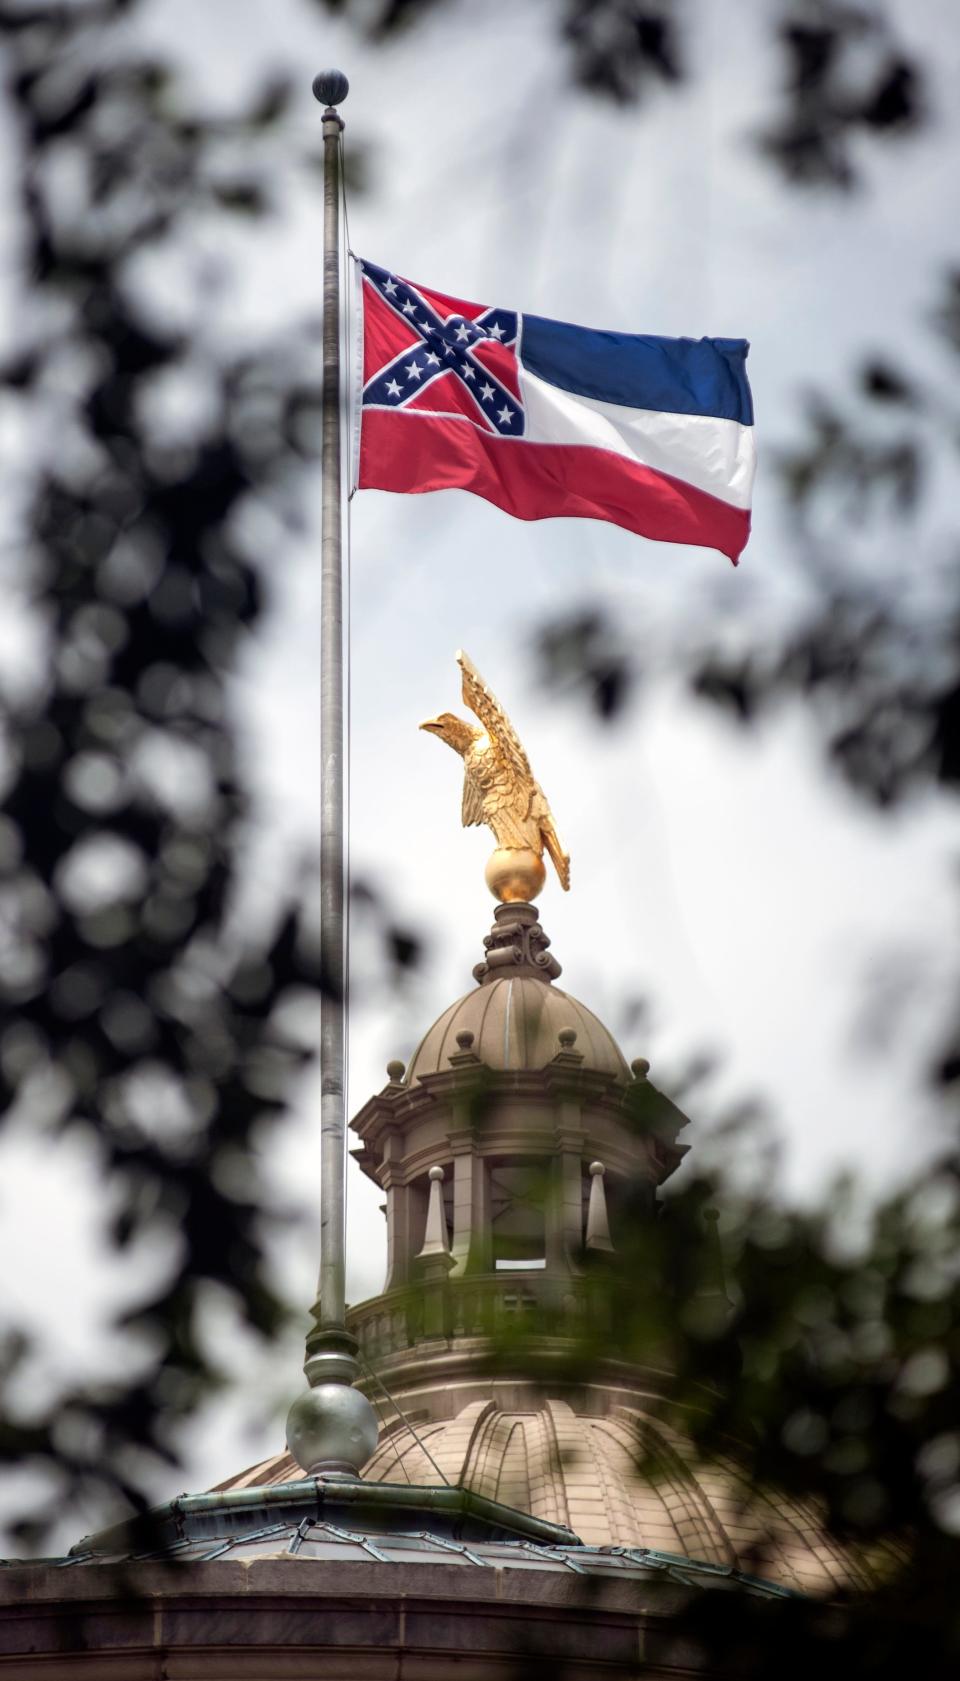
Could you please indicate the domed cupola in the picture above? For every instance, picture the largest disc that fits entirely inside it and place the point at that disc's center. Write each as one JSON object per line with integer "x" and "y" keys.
{"x": 515, "y": 1020}
{"x": 504, "y": 1144}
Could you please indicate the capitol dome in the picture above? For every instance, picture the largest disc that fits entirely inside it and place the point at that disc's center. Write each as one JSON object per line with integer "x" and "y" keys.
{"x": 489, "y": 1220}
{"x": 625, "y": 1479}
{"x": 487, "y": 1227}
{"x": 583, "y": 1472}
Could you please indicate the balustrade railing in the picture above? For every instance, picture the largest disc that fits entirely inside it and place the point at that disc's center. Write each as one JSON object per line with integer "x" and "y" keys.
{"x": 481, "y": 1306}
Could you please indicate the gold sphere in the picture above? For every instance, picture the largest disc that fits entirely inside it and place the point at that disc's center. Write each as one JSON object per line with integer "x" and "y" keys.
{"x": 515, "y": 875}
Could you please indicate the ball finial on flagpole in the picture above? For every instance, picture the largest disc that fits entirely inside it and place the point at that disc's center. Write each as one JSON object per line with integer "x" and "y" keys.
{"x": 330, "y": 87}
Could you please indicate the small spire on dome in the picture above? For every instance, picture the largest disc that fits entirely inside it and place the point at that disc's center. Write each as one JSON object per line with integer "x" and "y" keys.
{"x": 435, "y": 1257}
{"x": 598, "y": 1224}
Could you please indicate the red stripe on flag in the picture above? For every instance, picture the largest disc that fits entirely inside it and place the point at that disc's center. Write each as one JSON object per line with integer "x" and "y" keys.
{"x": 410, "y": 452}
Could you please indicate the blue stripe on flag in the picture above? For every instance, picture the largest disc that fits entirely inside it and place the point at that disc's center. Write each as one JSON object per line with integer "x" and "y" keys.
{"x": 673, "y": 376}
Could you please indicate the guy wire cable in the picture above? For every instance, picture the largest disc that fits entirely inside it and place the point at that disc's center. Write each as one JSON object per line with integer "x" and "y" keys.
{"x": 396, "y": 1405}
{"x": 393, "y": 1442}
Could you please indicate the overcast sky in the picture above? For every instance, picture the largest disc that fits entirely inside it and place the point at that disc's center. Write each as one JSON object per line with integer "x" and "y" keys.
{"x": 753, "y": 905}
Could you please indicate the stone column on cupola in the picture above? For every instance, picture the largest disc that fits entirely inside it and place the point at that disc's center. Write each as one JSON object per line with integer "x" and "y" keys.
{"x": 400, "y": 1198}
{"x": 564, "y": 1213}
{"x": 471, "y": 1248}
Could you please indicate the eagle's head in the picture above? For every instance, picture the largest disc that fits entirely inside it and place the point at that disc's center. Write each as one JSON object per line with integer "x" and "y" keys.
{"x": 456, "y": 732}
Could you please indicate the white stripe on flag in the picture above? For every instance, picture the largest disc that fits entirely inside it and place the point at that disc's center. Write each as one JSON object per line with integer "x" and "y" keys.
{"x": 713, "y": 455}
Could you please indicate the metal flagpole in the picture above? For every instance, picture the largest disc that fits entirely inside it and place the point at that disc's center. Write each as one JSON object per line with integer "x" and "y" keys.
{"x": 331, "y": 1429}
{"x": 332, "y": 89}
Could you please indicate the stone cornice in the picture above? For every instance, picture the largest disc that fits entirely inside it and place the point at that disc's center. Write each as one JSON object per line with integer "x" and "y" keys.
{"x": 649, "y": 1119}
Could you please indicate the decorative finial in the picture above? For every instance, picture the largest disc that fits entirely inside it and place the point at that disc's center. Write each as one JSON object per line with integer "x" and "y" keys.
{"x": 598, "y": 1224}
{"x": 435, "y": 1257}
{"x": 395, "y": 1072}
{"x": 330, "y": 87}
{"x": 465, "y": 1040}
{"x": 516, "y": 945}
{"x": 567, "y": 1057}
{"x": 499, "y": 789}
{"x": 640, "y": 1067}
{"x": 332, "y": 1430}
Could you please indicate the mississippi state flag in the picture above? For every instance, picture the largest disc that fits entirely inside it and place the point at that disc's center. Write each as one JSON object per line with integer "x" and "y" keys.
{"x": 549, "y": 420}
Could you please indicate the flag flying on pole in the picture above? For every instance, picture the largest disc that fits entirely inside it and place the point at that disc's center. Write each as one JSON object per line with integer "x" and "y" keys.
{"x": 546, "y": 419}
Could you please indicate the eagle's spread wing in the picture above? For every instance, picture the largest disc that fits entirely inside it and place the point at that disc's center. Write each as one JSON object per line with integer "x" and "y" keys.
{"x": 484, "y": 703}
{"x": 472, "y": 810}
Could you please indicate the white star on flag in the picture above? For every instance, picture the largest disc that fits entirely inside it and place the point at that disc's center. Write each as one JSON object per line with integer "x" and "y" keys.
{"x": 433, "y": 358}
{"x": 393, "y": 388}
{"x": 505, "y": 414}
{"x": 463, "y": 332}
{"x": 409, "y": 307}
{"x": 486, "y": 392}
{"x": 467, "y": 371}
{"x": 496, "y": 331}
{"x": 412, "y": 370}
{"x": 389, "y": 287}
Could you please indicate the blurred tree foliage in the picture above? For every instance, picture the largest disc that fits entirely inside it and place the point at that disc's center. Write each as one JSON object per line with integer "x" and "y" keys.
{"x": 845, "y": 72}
{"x": 124, "y": 809}
{"x": 820, "y": 1351}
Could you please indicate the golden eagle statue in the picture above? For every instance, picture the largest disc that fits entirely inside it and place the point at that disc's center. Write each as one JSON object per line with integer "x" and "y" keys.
{"x": 499, "y": 789}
